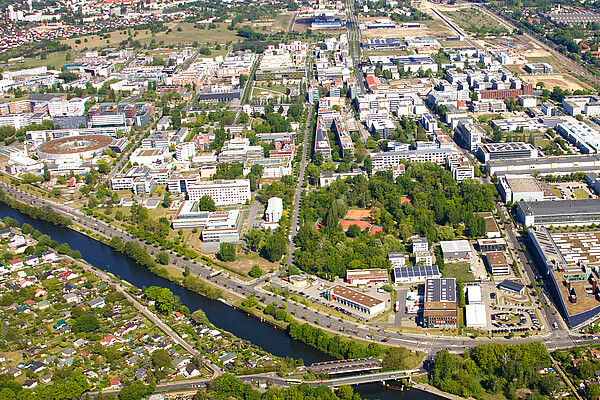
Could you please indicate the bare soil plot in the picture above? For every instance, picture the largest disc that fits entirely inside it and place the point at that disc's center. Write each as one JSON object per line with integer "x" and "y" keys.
{"x": 563, "y": 81}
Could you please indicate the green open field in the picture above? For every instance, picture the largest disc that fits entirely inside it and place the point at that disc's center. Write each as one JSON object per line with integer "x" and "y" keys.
{"x": 282, "y": 22}
{"x": 54, "y": 61}
{"x": 581, "y": 194}
{"x": 187, "y": 35}
{"x": 458, "y": 270}
{"x": 477, "y": 22}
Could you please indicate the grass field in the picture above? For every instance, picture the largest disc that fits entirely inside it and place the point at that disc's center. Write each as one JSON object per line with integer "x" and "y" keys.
{"x": 54, "y": 61}
{"x": 281, "y": 22}
{"x": 477, "y": 22}
{"x": 458, "y": 270}
{"x": 581, "y": 194}
{"x": 186, "y": 36}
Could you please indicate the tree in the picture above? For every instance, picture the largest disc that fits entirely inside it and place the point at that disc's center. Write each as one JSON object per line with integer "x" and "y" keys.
{"x": 353, "y": 231}
{"x": 64, "y": 249}
{"x": 368, "y": 164}
{"x": 206, "y": 203}
{"x": 199, "y": 317}
{"x": 162, "y": 258}
{"x": 255, "y": 271}
{"x": 162, "y": 297}
{"x": 46, "y": 173}
{"x": 76, "y": 254}
{"x": 227, "y": 252}
{"x": 161, "y": 359}
{"x": 186, "y": 270}
{"x": 166, "y": 203}
{"x": 136, "y": 391}
{"x": 85, "y": 323}
{"x": 275, "y": 246}
{"x": 460, "y": 290}
{"x": 254, "y": 238}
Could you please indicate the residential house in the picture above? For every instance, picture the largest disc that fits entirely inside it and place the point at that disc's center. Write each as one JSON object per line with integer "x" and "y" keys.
{"x": 191, "y": 371}
{"x": 96, "y": 303}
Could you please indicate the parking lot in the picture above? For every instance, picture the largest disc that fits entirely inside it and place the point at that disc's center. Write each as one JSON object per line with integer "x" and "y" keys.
{"x": 316, "y": 292}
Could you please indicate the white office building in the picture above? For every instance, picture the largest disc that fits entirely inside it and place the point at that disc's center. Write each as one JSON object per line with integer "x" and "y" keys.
{"x": 223, "y": 192}
{"x": 184, "y": 151}
{"x": 274, "y": 210}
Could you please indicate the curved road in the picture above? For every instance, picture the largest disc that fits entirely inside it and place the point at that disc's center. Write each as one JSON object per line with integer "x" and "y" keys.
{"x": 429, "y": 344}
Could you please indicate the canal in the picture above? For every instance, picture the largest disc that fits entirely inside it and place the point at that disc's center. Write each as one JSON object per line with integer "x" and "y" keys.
{"x": 238, "y": 323}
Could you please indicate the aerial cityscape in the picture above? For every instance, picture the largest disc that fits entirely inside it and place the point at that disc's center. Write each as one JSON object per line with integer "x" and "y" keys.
{"x": 317, "y": 199}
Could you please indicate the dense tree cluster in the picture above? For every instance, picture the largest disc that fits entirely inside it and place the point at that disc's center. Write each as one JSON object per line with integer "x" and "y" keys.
{"x": 228, "y": 387}
{"x": 199, "y": 286}
{"x": 438, "y": 207}
{"x": 163, "y": 298}
{"x": 66, "y": 384}
{"x": 505, "y": 369}
{"x": 43, "y": 213}
{"x": 332, "y": 345}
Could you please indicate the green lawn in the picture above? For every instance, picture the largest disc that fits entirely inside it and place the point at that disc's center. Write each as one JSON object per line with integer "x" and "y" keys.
{"x": 281, "y": 22}
{"x": 435, "y": 25}
{"x": 458, "y": 270}
{"x": 54, "y": 61}
{"x": 581, "y": 194}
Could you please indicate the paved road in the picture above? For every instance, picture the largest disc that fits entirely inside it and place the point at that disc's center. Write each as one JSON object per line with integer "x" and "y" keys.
{"x": 299, "y": 188}
{"x": 354, "y": 42}
{"x": 560, "y": 338}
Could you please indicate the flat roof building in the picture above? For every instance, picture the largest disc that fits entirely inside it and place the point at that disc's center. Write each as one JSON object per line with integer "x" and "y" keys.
{"x": 475, "y": 316}
{"x": 222, "y": 227}
{"x": 515, "y": 188}
{"x": 274, "y": 209}
{"x": 397, "y": 259}
{"x": 496, "y": 263}
{"x": 506, "y": 151}
{"x": 581, "y": 135}
{"x": 223, "y": 192}
{"x": 420, "y": 244}
{"x": 366, "y": 276}
{"x": 456, "y": 249}
{"x": 354, "y": 299}
{"x": 497, "y": 244}
{"x": 563, "y": 212}
{"x": 559, "y": 165}
{"x": 439, "y": 309}
{"x": 512, "y": 286}
{"x": 416, "y": 274}
{"x": 474, "y": 294}
{"x": 569, "y": 261}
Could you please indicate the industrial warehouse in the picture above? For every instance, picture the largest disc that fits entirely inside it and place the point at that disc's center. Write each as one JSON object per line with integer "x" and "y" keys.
{"x": 563, "y": 212}
{"x": 571, "y": 261}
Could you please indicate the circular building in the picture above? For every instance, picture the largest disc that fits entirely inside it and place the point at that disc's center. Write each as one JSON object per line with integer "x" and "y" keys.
{"x": 73, "y": 148}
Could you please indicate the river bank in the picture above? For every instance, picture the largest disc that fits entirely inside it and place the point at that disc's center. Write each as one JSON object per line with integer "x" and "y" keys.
{"x": 238, "y": 323}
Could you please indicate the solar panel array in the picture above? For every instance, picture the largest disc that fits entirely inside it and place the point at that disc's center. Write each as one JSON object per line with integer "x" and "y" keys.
{"x": 411, "y": 272}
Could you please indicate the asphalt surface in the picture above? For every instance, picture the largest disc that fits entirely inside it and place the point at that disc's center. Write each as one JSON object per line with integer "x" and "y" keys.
{"x": 299, "y": 188}
{"x": 430, "y": 344}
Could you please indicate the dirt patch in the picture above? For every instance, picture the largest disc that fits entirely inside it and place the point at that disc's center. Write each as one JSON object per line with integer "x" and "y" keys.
{"x": 563, "y": 81}
{"x": 435, "y": 28}
{"x": 244, "y": 264}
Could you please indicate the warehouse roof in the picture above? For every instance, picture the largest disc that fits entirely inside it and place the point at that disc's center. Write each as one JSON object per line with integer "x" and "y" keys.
{"x": 561, "y": 207}
{"x": 455, "y": 246}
